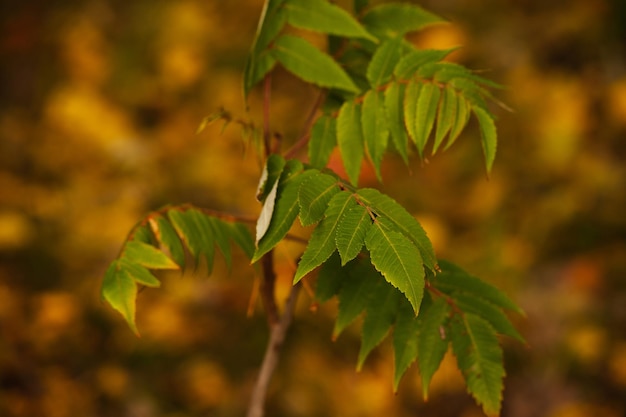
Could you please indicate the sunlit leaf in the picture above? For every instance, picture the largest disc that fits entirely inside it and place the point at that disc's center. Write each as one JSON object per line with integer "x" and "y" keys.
{"x": 382, "y": 64}
{"x": 460, "y": 121}
{"x": 426, "y": 113}
{"x": 322, "y": 16}
{"x": 394, "y": 103}
{"x": 445, "y": 116}
{"x": 309, "y": 63}
{"x": 351, "y": 232}
{"x": 139, "y": 273}
{"x": 488, "y": 135}
{"x": 411, "y": 97}
{"x": 322, "y": 242}
{"x": 387, "y": 207}
{"x": 350, "y": 139}
{"x": 397, "y": 259}
{"x": 148, "y": 256}
{"x": 286, "y": 207}
{"x": 120, "y": 291}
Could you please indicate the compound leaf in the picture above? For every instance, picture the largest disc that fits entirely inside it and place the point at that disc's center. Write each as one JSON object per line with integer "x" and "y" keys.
{"x": 322, "y": 16}
{"x": 414, "y": 60}
{"x": 165, "y": 233}
{"x": 310, "y": 64}
{"x": 195, "y": 232}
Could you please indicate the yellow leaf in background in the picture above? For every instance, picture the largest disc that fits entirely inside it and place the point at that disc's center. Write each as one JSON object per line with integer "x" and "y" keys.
{"x": 15, "y": 230}
{"x": 616, "y": 105}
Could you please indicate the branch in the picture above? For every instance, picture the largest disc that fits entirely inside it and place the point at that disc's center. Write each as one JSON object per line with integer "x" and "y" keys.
{"x": 270, "y": 360}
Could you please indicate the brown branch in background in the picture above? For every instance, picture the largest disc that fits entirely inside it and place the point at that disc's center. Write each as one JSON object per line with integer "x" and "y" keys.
{"x": 267, "y": 96}
{"x": 306, "y": 131}
{"x": 267, "y": 288}
{"x": 270, "y": 360}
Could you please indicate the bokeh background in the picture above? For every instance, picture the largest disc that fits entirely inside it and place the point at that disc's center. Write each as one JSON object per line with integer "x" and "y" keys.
{"x": 99, "y": 106}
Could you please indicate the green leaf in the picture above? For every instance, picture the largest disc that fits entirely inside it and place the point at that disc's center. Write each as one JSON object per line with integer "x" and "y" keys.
{"x": 166, "y": 234}
{"x": 243, "y": 238}
{"x": 193, "y": 229}
{"x": 259, "y": 61}
{"x": 470, "y": 304}
{"x": 397, "y": 258}
{"x": 142, "y": 234}
{"x": 405, "y": 340}
{"x": 385, "y": 206}
{"x": 271, "y": 172}
{"x": 488, "y": 134}
{"x": 120, "y": 291}
{"x": 222, "y": 234}
{"x": 432, "y": 343}
{"x": 322, "y": 242}
{"x": 351, "y": 232}
{"x": 413, "y": 61}
{"x": 314, "y": 195}
{"x": 148, "y": 256}
{"x": 411, "y": 98}
{"x": 140, "y": 274}
{"x": 479, "y": 358}
{"x": 267, "y": 213}
{"x": 425, "y": 116}
{"x": 460, "y": 121}
{"x": 380, "y": 315}
{"x": 393, "y": 19}
{"x": 453, "y": 279}
{"x": 329, "y": 278}
{"x": 445, "y": 116}
{"x": 394, "y": 99}
{"x": 357, "y": 287}
{"x": 323, "y": 141}
{"x": 310, "y": 64}
{"x": 321, "y": 16}
{"x": 350, "y": 139}
{"x": 374, "y": 127}
{"x": 286, "y": 207}
{"x": 383, "y": 62}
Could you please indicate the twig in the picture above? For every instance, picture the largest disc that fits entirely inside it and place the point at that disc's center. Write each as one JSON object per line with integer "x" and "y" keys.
{"x": 306, "y": 131}
{"x": 270, "y": 360}
{"x": 267, "y": 135}
{"x": 267, "y": 288}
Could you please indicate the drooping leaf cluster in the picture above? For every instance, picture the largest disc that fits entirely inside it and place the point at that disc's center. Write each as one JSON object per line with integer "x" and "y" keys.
{"x": 162, "y": 241}
{"x": 457, "y": 310}
{"x": 384, "y": 92}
